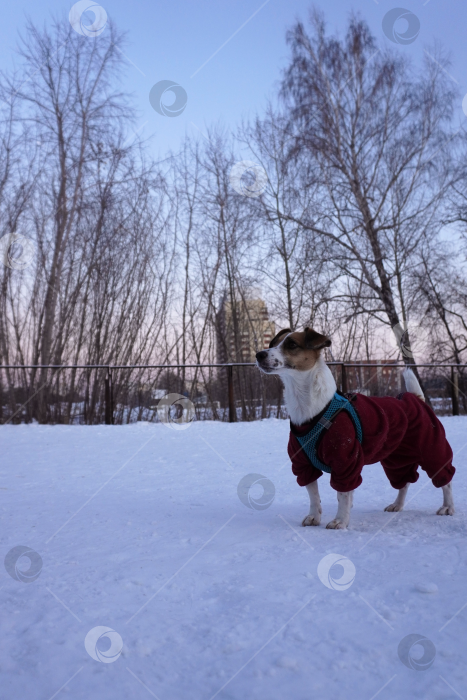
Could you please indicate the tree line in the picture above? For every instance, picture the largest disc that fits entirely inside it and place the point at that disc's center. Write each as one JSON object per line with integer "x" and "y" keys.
{"x": 357, "y": 227}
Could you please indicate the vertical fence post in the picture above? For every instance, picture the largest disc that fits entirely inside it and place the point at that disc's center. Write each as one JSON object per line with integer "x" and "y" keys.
{"x": 111, "y": 397}
{"x": 344, "y": 379}
{"x": 455, "y": 391}
{"x": 232, "y": 411}
{"x": 109, "y": 409}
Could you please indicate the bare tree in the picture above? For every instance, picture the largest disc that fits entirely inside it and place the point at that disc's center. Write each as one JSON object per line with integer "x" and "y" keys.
{"x": 295, "y": 264}
{"x": 70, "y": 105}
{"x": 377, "y": 139}
{"x": 442, "y": 285}
{"x": 96, "y": 207}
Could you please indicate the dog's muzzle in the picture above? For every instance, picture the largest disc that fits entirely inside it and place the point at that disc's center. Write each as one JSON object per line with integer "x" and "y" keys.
{"x": 261, "y": 360}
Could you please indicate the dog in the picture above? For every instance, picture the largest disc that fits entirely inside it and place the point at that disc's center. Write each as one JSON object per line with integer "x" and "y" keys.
{"x": 402, "y": 433}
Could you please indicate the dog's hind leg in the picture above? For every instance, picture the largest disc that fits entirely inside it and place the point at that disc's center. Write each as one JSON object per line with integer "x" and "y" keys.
{"x": 400, "y": 500}
{"x": 342, "y": 519}
{"x": 314, "y": 516}
{"x": 448, "y": 502}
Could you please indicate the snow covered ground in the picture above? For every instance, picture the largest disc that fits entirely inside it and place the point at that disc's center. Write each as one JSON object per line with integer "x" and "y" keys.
{"x": 140, "y": 529}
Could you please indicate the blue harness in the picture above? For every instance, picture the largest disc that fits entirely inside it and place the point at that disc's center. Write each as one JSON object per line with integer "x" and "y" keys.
{"x": 309, "y": 441}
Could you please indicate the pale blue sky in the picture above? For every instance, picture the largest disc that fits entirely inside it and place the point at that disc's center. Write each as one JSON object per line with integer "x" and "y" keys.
{"x": 172, "y": 40}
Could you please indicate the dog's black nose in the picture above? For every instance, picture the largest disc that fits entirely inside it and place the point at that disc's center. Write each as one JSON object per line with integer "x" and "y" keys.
{"x": 262, "y": 355}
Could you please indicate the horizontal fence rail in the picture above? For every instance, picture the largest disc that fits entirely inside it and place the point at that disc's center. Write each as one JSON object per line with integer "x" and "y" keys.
{"x": 120, "y": 394}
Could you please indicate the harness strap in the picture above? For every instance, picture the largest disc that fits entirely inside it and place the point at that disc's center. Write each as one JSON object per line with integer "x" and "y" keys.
{"x": 309, "y": 441}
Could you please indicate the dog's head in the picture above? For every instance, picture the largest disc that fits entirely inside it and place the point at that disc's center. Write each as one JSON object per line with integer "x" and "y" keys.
{"x": 292, "y": 351}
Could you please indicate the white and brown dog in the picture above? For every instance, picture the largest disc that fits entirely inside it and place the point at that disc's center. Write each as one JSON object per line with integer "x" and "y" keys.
{"x": 309, "y": 387}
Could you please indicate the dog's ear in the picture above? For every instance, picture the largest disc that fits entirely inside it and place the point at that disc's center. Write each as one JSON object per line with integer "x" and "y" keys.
{"x": 316, "y": 341}
{"x": 280, "y": 336}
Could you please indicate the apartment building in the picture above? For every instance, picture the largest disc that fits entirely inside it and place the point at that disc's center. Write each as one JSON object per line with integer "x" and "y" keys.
{"x": 243, "y": 328}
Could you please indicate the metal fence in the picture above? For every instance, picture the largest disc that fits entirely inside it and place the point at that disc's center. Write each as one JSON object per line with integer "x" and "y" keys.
{"x": 119, "y": 394}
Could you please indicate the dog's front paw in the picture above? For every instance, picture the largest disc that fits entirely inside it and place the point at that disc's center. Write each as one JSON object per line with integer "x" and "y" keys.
{"x": 336, "y": 524}
{"x": 394, "y": 508}
{"x": 446, "y": 510}
{"x": 311, "y": 520}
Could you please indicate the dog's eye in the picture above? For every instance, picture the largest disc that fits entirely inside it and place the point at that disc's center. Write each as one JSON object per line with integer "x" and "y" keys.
{"x": 291, "y": 345}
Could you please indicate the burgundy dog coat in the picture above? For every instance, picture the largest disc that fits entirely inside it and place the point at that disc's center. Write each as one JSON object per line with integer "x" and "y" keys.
{"x": 400, "y": 433}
